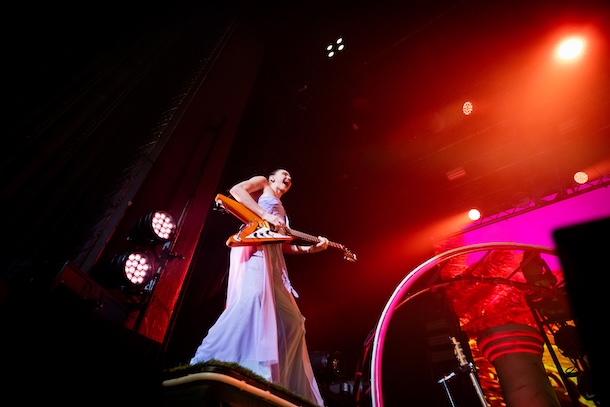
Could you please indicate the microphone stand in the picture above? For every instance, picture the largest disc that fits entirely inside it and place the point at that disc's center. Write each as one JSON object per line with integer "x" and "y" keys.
{"x": 465, "y": 367}
{"x": 444, "y": 381}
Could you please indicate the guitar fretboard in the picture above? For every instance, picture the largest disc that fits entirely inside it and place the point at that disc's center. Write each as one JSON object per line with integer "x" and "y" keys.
{"x": 312, "y": 238}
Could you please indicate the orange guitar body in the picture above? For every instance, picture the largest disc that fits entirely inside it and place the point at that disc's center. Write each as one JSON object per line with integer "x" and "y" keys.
{"x": 255, "y": 230}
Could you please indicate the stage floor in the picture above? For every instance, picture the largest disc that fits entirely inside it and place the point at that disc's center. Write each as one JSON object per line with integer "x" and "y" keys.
{"x": 221, "y": 384}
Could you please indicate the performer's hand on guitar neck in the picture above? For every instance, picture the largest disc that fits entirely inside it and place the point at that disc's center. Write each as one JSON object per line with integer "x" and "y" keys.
{"x": 318, "y": 247}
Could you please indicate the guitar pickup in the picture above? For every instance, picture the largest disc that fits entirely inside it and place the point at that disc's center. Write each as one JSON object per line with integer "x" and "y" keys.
{"x": 265, "y": 233}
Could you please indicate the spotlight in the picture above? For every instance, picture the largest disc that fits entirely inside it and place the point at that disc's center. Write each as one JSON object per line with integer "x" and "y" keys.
{"x": 135, "y": 268}
{"x": 570, "y": 49}
{"x": 332, "y": 49}
{"x": 153, "y": 228}
{"x": 474, "y": 214}
{"x": 581, "y": 177}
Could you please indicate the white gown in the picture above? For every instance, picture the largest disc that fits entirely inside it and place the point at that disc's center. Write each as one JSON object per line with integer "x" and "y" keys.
{"x": 261, "y": 327}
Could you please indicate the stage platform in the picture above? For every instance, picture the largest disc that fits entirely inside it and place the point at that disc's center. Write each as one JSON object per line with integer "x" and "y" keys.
{"x": 227, "y": 385}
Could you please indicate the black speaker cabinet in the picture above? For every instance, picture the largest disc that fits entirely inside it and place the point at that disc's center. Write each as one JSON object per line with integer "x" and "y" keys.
{"x": 583, "y": 251}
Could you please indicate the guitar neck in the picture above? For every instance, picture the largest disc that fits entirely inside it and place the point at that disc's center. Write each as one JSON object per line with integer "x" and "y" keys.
{"x": 312, "y": 238}
{"x": 459, "y": 352}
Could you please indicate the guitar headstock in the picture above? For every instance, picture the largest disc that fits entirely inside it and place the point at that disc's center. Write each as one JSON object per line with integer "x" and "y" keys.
{"x": 348, "y": 255}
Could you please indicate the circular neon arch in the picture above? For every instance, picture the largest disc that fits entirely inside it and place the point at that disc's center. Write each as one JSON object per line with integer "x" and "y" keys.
{"x": 397, "y": 299}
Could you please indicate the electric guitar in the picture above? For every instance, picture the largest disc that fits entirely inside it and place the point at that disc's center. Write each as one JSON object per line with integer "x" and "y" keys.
{"x": 257, "y": 231}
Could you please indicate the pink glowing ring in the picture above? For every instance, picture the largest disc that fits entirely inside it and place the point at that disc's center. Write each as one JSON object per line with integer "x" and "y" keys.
{"x": 406, "y": 284}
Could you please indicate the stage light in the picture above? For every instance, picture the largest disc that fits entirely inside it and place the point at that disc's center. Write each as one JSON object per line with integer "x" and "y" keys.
{"x": 133, "y": 267}
{"x": 474, "y": 214}
{"x": 581, "y": 177}
{"x": 570, "y": 49}
{"x": 332, "y": 49}
{"x": 467, "y": 108}
{"x": 153, "y": 228}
